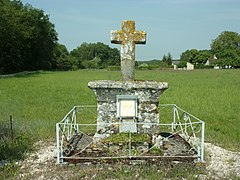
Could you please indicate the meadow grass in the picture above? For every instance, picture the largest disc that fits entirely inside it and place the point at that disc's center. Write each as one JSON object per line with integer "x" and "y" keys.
{"x": 38, "y": 101}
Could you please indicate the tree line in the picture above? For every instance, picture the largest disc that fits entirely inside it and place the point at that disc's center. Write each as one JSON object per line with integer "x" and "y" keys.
{"x": 29, "y": 42}
{"x": 27, "y": 38}
{"x": 87, "y": 55}
{"x": 224, "y": 52}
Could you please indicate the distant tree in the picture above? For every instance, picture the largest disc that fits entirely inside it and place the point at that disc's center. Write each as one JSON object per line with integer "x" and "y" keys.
{"x": 164, "y": 58}
{"x": 169, "y": 59}
{"x": 226, "y": 47}
{"x": 143, "y": 66}
{"x": 196, "y": 57}
{"x": 182, "y": 64}
{"x": 92, "y": 64}
{"x": 203, "y": 56}
{"x": 90, "y": 51}
{"x": 189, "y": 56}
{"x": 62, "y": 60}
{"x": 137, "y": 64}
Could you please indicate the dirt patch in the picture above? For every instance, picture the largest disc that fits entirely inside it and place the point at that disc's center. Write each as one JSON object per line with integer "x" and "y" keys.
{"x": 42, "y": 164}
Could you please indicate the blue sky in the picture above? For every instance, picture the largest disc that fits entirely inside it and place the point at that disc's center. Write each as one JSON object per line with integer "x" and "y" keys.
{"x": 171, "y": 25}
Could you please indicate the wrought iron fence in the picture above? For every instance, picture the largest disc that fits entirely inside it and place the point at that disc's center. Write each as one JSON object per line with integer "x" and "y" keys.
{"x": 80, "y": 123}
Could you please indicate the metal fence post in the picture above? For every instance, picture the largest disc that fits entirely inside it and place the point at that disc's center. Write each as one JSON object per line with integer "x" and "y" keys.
{"x": 130, "y": 143}
{"x": 202, "y": 142}
{"x": 57, "y": 141}
{"x": 174, "y": 119}
{"x": 11, "y": 127}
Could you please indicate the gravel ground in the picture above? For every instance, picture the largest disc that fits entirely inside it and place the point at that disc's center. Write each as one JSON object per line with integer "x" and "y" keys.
{"x": 220, "y": 164}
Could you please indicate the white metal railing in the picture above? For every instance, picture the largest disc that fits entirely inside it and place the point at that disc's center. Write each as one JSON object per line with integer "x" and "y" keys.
{"x": 190, "y": 127}
{"x": 82, "y": 119}
{"x": 68, "y": 126}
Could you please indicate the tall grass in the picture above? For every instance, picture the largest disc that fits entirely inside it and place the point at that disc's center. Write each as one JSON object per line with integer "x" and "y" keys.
{"x": 38, "y": 101}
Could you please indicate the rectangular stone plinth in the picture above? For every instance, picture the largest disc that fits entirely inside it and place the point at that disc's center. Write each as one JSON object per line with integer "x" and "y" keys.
{"x": 147, "y": 93}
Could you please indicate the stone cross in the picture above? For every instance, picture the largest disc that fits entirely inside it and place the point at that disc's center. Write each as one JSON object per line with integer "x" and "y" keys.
{"x": 128, "y": 37}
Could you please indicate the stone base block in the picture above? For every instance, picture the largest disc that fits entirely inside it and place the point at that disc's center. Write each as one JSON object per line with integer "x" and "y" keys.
{"x": 147, "y": 93}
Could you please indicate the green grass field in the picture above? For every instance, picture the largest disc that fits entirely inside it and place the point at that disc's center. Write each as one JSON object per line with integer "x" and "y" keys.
{"x": 38, "y": 101}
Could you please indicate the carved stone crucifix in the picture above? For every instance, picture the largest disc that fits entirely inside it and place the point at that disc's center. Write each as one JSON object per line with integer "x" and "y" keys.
{"x": 128, "y": 37}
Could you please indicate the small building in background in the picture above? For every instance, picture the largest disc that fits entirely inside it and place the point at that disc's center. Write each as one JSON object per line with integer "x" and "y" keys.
{"x": 207, "y": 63}
{"x": 190, "y": 66}
{"x": 177, "y": 66}
{"x": 212, "y": 62}
{"x": 174, "y": 66}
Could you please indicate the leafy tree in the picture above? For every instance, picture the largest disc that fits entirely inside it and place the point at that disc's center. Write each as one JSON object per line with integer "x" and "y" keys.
{"x": 169, "y": 59}
{"x": 11, "y": 35}
{"x": 90, "y": 51}
{"x": 202, "y": 56}
{"x": 92, "y": 64}
{"x": 226, "y": 47}
{"x": 62, "y": 61}
{"x": 182, "y": 64}
{"x": 143, "y": 66}
{"x": 42, "y": 41}
{"x": 195, "y": 57}
{"x": 189, "y": 56}
{"x": 27, "y": 38}
{"x": 164, "y": 58}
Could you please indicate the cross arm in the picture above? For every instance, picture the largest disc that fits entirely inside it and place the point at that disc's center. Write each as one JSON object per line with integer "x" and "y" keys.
{"x": 140, "y": 37}
{"x": 116, "y": 37}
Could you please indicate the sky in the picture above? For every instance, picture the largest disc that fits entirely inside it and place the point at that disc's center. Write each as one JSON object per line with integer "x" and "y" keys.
{"x": 172, "y": 26}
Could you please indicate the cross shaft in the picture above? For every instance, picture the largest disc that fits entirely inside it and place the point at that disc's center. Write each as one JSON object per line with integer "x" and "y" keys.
{"x": 128, "y": 37}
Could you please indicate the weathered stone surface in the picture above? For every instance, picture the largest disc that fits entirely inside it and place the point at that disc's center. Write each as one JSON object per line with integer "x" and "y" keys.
{"x": 142, "y": 111}
{"x": 128, "y": 85}
{"x": 146, "y": 107}
{"x": 147, "y": 92}
{"x": 128, "y": 37}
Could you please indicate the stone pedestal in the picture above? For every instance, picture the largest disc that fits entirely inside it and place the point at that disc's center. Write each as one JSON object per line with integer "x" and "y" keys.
{"x": 147, "y": 93}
